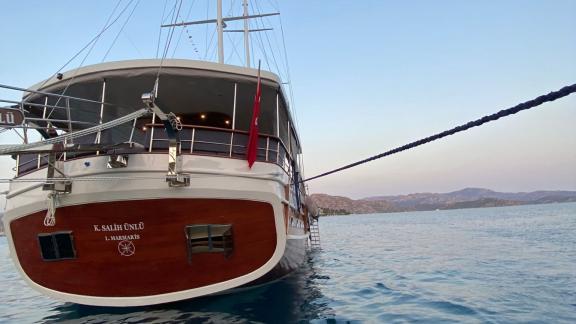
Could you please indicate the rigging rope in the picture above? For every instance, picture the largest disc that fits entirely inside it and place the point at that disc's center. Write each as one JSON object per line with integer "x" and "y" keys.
{"x": 486, "y": 119}
{"x": 121, "y": 30}
{"x": 160, "y": 32}
{"x": 286, "y": 76}
{"x": 184, "y": 28}
{"x": 106, "y": 26}
{"x": 289, "y": 79}
{"x": 94, "y": 41}
{"x": 175, "y": 16}
{"x": 258, "y": 22}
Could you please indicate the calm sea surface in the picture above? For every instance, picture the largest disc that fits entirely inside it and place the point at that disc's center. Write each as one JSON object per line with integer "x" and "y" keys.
{"x": 492, "y": 265}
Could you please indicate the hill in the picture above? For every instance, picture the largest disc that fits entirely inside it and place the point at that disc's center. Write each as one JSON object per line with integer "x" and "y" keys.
{"x": 465, "y": 198}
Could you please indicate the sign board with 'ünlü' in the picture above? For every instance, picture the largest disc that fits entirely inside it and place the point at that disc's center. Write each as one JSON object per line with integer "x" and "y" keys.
{"x": 11, "y": 117}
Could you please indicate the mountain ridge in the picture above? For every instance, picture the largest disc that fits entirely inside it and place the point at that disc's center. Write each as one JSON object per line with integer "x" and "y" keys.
{"x": 464, "y": 198}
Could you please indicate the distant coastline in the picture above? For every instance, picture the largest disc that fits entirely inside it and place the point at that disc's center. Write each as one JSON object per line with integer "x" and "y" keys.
{"x": 461, "y": 199}
{"x": 328, "y": 205}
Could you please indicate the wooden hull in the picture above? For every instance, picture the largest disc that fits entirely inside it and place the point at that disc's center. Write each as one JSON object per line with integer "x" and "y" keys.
{"x": 158, "y": 262}
{"x": 131, "y": 240}
{"x": 293, "y": 257}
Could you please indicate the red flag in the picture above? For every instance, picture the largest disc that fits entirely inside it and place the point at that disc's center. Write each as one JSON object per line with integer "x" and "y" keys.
{"x": 252, "y": 150}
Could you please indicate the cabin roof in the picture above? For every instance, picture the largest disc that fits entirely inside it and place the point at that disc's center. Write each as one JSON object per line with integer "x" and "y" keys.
{"x": 155, "y": 63}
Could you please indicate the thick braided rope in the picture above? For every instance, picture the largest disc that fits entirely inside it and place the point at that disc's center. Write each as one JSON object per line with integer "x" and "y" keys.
{"x": 502, "y": 113}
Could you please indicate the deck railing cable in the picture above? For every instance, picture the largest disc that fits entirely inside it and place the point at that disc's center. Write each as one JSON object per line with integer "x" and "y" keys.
{"x": 486, "y": 119}
{"x": 10, "y": 149}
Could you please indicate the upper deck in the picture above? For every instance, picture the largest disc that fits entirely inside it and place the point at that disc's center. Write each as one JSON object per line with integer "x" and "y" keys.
{"x": 215, "y": 99}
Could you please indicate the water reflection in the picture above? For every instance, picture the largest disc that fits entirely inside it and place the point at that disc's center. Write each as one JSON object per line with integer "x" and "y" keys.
{"x": 296, "y": 298}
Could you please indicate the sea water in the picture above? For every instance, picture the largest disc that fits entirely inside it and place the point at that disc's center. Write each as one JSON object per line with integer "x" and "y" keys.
{"x": 490, "y": 265}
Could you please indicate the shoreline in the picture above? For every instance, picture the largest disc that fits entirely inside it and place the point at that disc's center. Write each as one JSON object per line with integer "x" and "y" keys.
{"x": 447, "y": 209}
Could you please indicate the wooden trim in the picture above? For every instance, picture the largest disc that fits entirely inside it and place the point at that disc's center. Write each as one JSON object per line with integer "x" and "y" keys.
{"x": 155, "y": 229}
{"x": 228, "y": 130}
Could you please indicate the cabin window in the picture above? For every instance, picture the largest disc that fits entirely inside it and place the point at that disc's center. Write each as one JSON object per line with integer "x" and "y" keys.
{"x": 86, "y": 112}
{"x": 294, "y": 147}
{"x": 209, "y": 238}
{"x": 27, "y": 162}
{"x": 245, "y": 108}
{"x": 212, "y": 142}
{"x": 57, "y": 246}
{"x": 198, "y": 100}
{"x": 283, "y": 123}
{"x": 273, "y": 150}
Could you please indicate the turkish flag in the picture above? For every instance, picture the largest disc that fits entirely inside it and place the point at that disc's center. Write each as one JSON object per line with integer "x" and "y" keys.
{"x": 252, "y": 150}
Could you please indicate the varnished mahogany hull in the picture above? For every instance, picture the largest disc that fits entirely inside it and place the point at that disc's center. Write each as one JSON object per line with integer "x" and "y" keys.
{"x": 294, "y": 255}
{"x": 159, "y": 263}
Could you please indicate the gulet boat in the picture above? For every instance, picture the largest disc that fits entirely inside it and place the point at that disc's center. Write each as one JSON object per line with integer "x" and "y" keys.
{"x": 155, "y": 180}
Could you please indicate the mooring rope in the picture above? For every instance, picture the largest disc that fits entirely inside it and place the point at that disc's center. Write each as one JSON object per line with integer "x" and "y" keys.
{"x": 502, "y": 113}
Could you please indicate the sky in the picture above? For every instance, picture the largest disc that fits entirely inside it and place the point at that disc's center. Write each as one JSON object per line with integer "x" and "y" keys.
{"x": 367, "y": 76}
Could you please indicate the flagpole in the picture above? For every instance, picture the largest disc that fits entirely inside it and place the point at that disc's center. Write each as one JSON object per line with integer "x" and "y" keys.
{"x": 252, "y": 148}
{"x": 258, "y": 84}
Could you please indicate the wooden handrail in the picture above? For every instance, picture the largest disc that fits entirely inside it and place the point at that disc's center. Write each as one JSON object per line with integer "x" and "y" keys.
{"x": 213, "y": 128}
{"x": 209, "y": 128}
{"x": 228, "y": 130}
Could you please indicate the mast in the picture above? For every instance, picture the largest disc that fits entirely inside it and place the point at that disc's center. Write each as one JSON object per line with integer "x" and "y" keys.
{"x": 220, "y": 26}
{"x": 246, "y": 33}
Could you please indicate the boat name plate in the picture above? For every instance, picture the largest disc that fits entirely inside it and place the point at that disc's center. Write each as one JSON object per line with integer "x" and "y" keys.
{"x": 11, "y": 117}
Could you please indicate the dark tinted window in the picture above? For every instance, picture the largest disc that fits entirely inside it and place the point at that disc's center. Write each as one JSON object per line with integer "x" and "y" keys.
{"x": 57, "y": 246}
{"x": 47, "y": 247}
{"x": 65, "y": 245}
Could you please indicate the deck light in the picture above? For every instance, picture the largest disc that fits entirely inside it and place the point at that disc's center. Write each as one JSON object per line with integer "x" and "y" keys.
{"x": 227, "y": 122}
{"x": 203, "y": 116}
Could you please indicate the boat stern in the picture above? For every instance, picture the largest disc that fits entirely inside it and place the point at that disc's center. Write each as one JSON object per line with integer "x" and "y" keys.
{"x": 142, "y": 252}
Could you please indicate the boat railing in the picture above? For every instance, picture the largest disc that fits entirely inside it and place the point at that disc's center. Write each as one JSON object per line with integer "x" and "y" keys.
{"x": 214, "y": 141}
{"x": 193, "y": 139}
